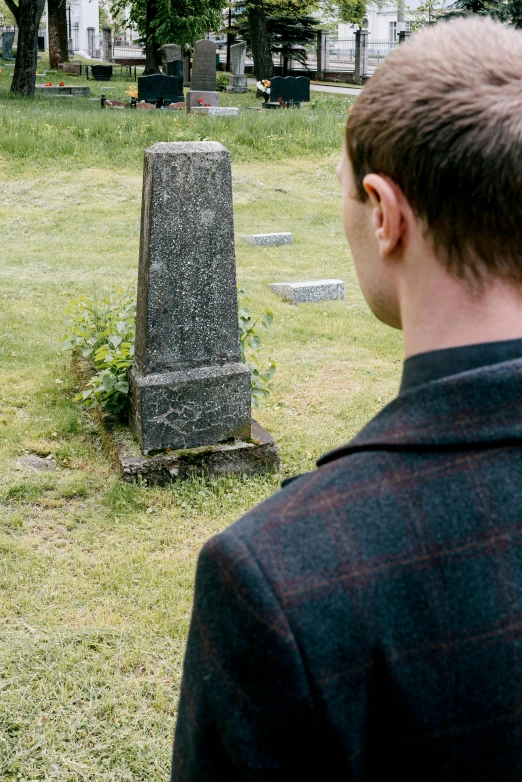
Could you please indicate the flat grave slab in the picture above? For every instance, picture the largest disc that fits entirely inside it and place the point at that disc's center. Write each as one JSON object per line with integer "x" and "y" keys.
{"x": 215, "y": 111}
{"x": 67, "y": 90}
{"x": 310, "y": 291}
{"x": 268, "y": 239}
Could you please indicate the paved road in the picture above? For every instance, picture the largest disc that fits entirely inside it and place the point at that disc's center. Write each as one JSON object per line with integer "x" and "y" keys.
{"x": 338, "y": 90}
{"x": 327, "y": 88}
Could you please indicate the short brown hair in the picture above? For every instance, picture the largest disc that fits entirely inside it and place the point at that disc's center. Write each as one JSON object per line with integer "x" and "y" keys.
{"x": 442, "y": 117}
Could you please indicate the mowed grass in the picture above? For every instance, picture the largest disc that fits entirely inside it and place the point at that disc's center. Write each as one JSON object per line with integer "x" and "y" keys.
{"x": 96, "y": 577}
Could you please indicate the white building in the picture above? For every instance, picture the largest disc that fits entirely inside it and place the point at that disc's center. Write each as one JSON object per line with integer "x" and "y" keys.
{"x": 382, "y": 21}
{"x": 83, "y": 22}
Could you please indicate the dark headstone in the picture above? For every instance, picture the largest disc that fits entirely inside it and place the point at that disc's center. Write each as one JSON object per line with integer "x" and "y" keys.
{"x": 101, "y": 72}
{"x": 291, "y": 89}
{"x": 204, "y": 67}
{"x": 159, "y": 85}
{"x": 189, "y": 387}
{"x": 175, "y": 68}
{"x": 186, "y": 66}
{"x": 7, "y": 44}
{"x": 41, "y": 43}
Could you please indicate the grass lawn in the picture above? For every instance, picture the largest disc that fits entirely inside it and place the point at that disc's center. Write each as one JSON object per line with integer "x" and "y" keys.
{"x": 96, "y": 576}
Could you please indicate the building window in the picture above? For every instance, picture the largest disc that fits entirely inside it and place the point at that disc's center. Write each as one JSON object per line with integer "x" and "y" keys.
{"x": 393, "y": 30}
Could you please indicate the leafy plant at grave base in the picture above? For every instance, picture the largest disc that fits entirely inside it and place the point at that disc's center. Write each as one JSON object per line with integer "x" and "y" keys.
{"x": 102, "y": 334}
{"x": 250, "y": 341}
{"x": 222, "y": 81}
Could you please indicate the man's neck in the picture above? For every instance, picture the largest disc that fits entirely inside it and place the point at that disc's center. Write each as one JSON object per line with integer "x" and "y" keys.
{"x": 438, "y": 311}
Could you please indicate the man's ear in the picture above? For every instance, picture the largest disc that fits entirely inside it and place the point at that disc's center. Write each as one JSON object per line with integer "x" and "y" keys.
{"x": 388, "y": 214}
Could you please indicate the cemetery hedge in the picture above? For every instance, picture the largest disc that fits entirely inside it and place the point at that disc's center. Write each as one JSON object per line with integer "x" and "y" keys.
{"x": 96, "y": 576}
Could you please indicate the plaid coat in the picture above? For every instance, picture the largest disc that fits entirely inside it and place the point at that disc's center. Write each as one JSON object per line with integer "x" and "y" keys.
{"x": 367, "y": 619}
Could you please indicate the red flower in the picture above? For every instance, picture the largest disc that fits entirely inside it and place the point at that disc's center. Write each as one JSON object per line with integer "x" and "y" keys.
{"x": 62, "y": 84}
{"x": 200, "y": 101}
{"x": 49, "y": 84}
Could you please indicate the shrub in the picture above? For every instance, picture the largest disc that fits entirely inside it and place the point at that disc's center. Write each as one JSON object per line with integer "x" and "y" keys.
{"x": 222, "y": 81}
{"x": 102, "y": 334}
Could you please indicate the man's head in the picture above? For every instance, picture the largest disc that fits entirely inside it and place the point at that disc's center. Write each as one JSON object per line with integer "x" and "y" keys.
{"x": 433, "y": 161}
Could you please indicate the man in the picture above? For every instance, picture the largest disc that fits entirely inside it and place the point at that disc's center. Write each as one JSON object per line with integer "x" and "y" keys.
{"x": 366, "y": 621}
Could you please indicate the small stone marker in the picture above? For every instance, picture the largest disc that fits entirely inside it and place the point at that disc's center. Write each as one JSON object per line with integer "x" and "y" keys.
{"x": 36, "y": 464}
{"x": 7, "y": 45}
{"x": 268, "y": 239}
{"x": 70, "y": 67}
{"x": 313, "y": 290}
{"x": 188, "y": 385}
{"x": 203, "y": 77}
{"x": 215, "y": 111}
{"x": 238, "y": 80}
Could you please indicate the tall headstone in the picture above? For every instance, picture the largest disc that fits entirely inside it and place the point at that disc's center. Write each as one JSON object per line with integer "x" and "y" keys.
{"x": 188, "y": 385}
{"x": 175, "y": 68}
{"x": 238, "y": 80}
{"x": 170, "y": 52}
{"x": 186, "y": 66}
{"x": 203, "y": 77}
{"x": 7, "y": 45}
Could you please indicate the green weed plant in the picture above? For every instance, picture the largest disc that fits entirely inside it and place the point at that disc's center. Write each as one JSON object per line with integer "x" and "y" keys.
{"x": 101, "y": 333}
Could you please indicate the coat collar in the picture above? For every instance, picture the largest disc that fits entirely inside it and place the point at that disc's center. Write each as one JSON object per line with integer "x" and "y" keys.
{"x": 481, "y": 408}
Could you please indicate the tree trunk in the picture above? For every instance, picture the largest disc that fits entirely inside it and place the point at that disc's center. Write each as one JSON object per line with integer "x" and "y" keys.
{"x": 63, "y": 30}
{"x": 29, "y": 13}
{"x": 152, "y": 53}
{"x": 260, "y": 42}
{"x": 54, "y": 37}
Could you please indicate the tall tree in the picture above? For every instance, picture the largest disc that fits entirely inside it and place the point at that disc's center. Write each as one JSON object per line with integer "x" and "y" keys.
{"x": 287, "y": 36}
{"x": 27, "y": 14}
{"x": 58, "y": 33}
{"x": 170, "y": 21}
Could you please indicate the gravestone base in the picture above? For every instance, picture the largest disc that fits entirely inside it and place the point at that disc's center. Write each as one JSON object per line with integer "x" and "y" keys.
{"x": 190, "y": 407}
{"x": 67, "y": 90}
{"x": 252, "y": 456}
{"x": 237, "y": 84}
{"x": 309, "y": 292}
{"x": 215, "y": 111}
{"x": 193, "y": 97}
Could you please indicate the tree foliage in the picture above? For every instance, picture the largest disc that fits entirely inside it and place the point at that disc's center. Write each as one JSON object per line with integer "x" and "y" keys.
{"x": 174, "y": 21}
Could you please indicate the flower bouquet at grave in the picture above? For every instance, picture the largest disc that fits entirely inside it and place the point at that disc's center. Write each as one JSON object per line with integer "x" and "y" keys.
{"x": 132, "y": 92}
{"x": 263, "y": 87}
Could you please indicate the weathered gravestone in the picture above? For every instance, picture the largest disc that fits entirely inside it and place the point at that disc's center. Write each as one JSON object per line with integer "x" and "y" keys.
{"x": 175, "y": 68}
{"x": 203, "y": 77}
{"x": 188, "y": 385}
{"x": 7, "y": 45}
{"x": 159, "y": 86}
{"x": 170, "y": 52}
{"x": 292, "y": 90}
{"x": 238, "y": 80}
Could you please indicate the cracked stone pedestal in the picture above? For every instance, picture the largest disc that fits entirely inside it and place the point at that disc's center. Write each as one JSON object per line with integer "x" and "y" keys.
{"x": 189, "y": 388}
